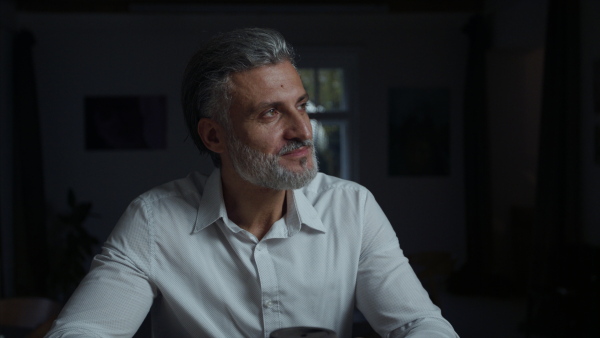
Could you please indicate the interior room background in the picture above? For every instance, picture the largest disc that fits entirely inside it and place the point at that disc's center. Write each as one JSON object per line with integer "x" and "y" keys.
{"x": 143, "y": 52}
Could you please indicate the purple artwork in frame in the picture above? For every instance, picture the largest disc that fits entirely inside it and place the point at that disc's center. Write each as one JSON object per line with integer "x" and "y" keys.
{"x": 125, "y": 122}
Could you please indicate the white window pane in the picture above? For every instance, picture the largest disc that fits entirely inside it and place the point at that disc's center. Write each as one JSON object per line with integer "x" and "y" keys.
{"x": 326, "y": 89}
{"x": 330, "y": 137}
{"x": 308, "y": 76}
{"x": 331, "y": 89}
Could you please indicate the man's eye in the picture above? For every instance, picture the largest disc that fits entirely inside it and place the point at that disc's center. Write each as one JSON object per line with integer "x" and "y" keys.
{"x": 270, "y": 113}
{"x": 302, "y": 106}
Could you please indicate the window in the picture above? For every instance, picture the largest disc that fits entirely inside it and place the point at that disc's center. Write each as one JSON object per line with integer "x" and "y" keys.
{"x": 328, "y": 79}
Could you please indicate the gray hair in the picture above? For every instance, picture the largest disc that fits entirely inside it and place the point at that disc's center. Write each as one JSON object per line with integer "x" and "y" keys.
{"x": 206, "y": 88}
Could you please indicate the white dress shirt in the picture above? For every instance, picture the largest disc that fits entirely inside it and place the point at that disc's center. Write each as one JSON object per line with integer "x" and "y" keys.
{"x": 176, "y": 252}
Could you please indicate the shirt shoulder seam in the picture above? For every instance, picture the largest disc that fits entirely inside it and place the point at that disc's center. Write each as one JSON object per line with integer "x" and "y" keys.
{"x": 149, "y": 197}
{"x": 78, "y": 330}
{"x": 352, "y": 187}
{"x": 151, "y": 239}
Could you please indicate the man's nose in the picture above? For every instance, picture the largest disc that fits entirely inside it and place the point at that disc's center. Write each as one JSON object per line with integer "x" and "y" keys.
{"x": 298, "y": 126}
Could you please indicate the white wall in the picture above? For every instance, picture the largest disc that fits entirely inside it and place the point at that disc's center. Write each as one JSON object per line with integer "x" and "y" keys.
{"x": 78, "y": 55}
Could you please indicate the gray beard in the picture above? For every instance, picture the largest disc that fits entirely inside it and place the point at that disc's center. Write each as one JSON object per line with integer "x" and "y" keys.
{"x": 264, "y": 170}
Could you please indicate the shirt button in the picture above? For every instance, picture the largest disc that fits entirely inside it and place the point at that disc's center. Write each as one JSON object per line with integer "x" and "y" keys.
{"x": 268, "y": 303}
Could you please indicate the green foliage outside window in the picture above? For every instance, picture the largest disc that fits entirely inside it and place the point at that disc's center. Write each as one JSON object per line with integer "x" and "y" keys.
{"x": 325, "y": 86}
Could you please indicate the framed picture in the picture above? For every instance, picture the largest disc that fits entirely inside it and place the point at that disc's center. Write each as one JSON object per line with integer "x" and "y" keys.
{"x": 125, "y": 122}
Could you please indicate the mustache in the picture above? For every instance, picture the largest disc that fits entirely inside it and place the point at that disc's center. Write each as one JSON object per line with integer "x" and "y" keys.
{"x": 295, "y": 144}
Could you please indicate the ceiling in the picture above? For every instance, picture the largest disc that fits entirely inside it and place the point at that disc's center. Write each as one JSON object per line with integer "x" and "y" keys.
{"x": 100, "y": 6}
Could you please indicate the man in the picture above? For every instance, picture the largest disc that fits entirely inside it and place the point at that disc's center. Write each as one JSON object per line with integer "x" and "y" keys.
{"x": 265, "y": 242}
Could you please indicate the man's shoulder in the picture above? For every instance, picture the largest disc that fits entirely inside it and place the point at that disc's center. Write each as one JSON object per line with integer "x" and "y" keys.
{"x": 187, "y": 188}
{"x": 323, "y": 183}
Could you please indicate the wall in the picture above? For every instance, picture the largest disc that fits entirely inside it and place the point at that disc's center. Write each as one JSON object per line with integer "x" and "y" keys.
{"x": 80, "y": 54}
{"x": 415, "y": 51}
{"x": 590, "y": 53}
{"x": 516, "y": 64}
{"x": 515, "y": 73}
{"x": 7, "y": 26}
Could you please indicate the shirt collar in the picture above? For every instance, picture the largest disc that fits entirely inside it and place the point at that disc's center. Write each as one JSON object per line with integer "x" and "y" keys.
{"x": 211, "y": 208}
{"x": 306, "y": 213}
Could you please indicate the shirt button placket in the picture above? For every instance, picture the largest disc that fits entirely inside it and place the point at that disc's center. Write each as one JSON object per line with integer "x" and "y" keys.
{"x": 268, "y": 285}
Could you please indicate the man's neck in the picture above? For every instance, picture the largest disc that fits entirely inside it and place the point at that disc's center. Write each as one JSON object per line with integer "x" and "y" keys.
{"x": 251, "y": 207}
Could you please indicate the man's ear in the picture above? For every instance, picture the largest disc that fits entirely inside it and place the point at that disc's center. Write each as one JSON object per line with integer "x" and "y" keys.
{"x": 212, "y": 135}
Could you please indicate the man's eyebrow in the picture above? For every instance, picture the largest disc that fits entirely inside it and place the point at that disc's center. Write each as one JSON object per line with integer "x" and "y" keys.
{"x": 303, "y": 97}
{"x": 266, "y": 104}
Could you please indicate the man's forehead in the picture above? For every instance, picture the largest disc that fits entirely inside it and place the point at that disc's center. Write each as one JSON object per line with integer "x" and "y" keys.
{"x": 269, "y": 77}
{"x": 261, "y": 73}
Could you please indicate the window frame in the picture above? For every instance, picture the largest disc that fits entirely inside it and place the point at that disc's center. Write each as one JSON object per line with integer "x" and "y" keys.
{"x": 347, "y": 59}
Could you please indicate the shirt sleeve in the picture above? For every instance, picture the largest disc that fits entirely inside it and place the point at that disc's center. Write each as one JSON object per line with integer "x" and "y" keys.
{"x": 116, "y": 295}
{"x": 388, "y": 292}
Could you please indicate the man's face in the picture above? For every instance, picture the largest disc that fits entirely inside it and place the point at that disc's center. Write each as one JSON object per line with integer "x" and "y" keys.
{"x": 270, "y": 143}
